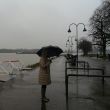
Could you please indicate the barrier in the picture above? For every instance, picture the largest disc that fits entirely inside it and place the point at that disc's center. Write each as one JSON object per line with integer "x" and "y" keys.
{"x": 82, "y": 75}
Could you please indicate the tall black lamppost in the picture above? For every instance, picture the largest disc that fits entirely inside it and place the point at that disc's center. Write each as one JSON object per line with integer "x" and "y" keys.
{"x": 69, "y": 30}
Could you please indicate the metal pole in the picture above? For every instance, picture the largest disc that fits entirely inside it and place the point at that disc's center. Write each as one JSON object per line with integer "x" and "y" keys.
{"x": 77, "y": 42}
{"x": 70, "y": 42}
{"x": 65, "y": 71}
{"x": 67, "y": 86}
{"x": 76, "y": 36}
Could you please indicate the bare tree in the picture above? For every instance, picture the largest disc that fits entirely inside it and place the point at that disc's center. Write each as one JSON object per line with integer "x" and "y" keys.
{"x": 100, "y": 26}
{"x": 85, "y": 46}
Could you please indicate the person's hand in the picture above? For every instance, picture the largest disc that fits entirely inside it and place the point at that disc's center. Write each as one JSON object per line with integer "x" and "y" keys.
{"x": 50, "y": 60}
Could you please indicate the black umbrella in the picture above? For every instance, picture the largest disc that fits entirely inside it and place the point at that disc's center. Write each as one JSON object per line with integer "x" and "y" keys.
{"x": 51, "y": 51}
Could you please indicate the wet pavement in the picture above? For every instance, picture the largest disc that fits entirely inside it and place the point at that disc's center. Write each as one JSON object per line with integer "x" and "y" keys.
{"x": 87, "y": 93}
{"x": 23, "y": 92}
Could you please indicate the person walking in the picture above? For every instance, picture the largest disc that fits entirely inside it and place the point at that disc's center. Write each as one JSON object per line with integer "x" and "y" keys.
{"x": 44, "y": 74}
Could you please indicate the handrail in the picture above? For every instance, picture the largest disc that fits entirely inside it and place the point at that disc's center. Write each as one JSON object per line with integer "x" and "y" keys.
{"x": 83, "y": 75}
{"x": 19, "y": 67}
{"x": 11, "y": 61}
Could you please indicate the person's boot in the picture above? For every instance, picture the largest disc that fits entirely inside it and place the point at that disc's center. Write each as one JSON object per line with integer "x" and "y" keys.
{"x": 45, "y": 99}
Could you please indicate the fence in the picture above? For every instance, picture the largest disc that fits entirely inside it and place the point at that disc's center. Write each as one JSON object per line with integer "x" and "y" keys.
{"x": 85, "y": 67}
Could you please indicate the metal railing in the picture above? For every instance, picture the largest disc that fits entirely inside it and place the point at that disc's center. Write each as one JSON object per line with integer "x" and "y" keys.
{"x": 86, "y": 67}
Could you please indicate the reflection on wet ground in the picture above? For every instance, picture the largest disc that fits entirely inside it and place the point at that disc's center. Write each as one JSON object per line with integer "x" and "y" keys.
{"x": 89, "y": 93}
{"x": 23, "y": 92}
{"x": 43, "y": 105}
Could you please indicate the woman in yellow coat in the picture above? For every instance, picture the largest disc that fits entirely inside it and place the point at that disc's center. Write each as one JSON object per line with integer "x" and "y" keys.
{"x": 44, "y": 74}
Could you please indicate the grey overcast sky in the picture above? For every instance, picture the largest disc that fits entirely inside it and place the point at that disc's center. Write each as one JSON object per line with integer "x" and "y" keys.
{"x": 37, "y": 23}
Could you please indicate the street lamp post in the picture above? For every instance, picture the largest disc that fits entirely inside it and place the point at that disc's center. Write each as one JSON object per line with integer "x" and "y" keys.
{"x": 69, "y": 30}
{"x": 70, "y": 42}
{"x": 68, "y": 46}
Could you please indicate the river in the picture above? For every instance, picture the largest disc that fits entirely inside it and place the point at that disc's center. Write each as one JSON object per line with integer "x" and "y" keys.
{"x": 25, "y": 59}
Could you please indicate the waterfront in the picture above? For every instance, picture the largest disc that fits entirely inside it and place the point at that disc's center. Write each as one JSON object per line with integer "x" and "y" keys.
{"x": 23, "y": 92}
{"x": 25, "y": 59}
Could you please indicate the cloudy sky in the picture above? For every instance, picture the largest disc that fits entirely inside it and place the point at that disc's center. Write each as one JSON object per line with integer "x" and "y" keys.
{"x": 37, "y": 23}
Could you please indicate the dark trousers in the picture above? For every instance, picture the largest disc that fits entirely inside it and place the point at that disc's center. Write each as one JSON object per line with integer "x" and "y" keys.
{"x": 43, "y": 90}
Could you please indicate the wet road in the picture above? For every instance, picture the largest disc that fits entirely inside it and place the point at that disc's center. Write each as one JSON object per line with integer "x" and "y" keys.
{"x": 23, "y": 92}
{"x": 87, "y": 93}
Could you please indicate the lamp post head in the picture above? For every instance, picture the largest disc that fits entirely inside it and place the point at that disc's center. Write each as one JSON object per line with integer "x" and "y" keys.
{"x": 84, "y": 29}
{"x": 69, "y": 30}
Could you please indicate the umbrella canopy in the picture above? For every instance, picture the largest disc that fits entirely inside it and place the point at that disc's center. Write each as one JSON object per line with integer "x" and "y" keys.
{"x": 51, "y": 51}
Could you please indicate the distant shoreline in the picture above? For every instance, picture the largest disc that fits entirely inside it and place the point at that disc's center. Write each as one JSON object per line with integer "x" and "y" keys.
{"x": 19, "y": 51}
